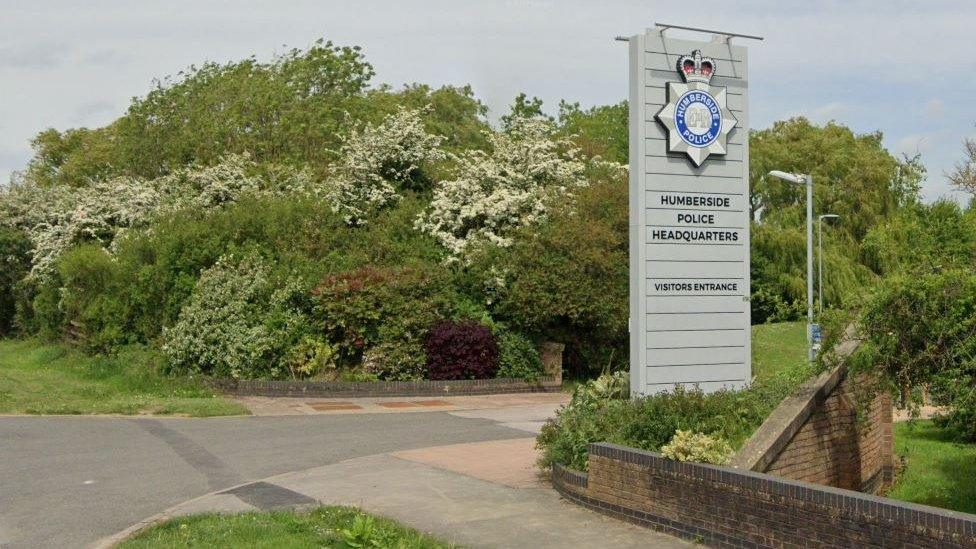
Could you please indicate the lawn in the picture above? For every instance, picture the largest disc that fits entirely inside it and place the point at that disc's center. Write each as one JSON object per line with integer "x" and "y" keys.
{"x": 776, "y": 347}
{"x": 46, "y": 378}
{"x": 938, "y": 471}
{"x": 323, "y": 527}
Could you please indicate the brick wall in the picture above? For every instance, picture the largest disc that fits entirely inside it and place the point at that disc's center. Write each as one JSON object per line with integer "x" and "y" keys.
{"x": 817, "y": 436}
{"x": 835, "y": 448}
{"x": 727, "y": 507}
{"x": 798, "y": 482}
{"x": 292, "y": 388}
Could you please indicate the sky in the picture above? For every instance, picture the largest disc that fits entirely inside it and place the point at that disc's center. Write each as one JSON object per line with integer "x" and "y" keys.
{"x": 905, "y": 68}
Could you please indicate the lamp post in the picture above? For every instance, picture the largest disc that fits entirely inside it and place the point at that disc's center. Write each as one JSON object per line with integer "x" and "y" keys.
{"x": 806, "y": 180}
{"x": 820, "y": 219}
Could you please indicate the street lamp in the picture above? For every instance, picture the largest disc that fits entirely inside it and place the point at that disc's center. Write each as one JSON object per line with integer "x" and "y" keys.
{"x": 820, "y": 219}
{"x": 806, "y": 180}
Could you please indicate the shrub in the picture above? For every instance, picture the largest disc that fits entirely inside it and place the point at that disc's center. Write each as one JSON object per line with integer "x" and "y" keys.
{"x": 399, "y": 361}
{"x": 88, "y": 283}
{"x": 385, "y": 312}
{"x": 598, "y": 413}
{"x": 14, "y": 264}
{"x": 311, "y": 357}
{"x": 585, "y": 419}
{"x": 56, "y": 219}
{"x": 518, "y": 357}
{"x": 688, "y": 446}
{"x": 567, "y": 279}
{"x": 160, "y": 266}
{"x": 239, "y": 322}
{"x": 465, "y": 350}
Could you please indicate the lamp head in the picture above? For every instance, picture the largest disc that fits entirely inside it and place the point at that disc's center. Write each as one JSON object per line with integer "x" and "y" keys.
{"x": 829, "y": 216}
{"x": 796, "y": 179}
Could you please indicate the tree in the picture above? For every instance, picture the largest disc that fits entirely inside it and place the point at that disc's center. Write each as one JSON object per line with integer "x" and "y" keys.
{"x": 922, "y": 237}
{"x": 451, "y": 112}
{"x": 919, "y": 328}
{"x": 74, "y": 157}
{"x": 963, "y": 177}
{"x": 854, "y": 177}
{"x": 523, "y": 107}
{"x": 598, "y": 131}
{"x": 291, "y": 110}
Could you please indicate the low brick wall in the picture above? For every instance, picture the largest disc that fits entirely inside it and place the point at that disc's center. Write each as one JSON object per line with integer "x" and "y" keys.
{"x": 816, "y": 435}
{"x": 727, "y": 507}
{"x": 834, "y": 448}
{"x": 326, "y": 389}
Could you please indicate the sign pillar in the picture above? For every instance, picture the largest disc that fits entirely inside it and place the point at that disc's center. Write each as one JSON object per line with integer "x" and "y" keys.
{"x": 689, "y": 214}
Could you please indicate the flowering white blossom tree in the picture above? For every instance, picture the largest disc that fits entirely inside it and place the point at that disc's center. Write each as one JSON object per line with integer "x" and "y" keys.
{"x": 378, "y": 161}
{"x": 498, "y": 191}
{"x": 56, "y": 218}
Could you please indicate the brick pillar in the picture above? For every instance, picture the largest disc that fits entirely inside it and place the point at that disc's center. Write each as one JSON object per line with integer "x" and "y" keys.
{"x": 551, "y": 354}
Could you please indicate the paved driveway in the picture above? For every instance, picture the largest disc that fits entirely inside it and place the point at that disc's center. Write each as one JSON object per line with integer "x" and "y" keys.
{"x": 69, "y": 481}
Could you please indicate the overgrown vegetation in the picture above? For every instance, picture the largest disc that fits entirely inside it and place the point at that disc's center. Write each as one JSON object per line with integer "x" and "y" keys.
{"x": 919, "y": 329}
{"x": 338, "y": 527}
{"x": 600, "y": 412}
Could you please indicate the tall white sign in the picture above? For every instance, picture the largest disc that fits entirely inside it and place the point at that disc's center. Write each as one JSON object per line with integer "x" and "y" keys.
{"x": 689, "y": 214}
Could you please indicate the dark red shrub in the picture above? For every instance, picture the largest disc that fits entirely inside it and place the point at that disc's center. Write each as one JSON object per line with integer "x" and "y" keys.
{"x": 465, "y": 350}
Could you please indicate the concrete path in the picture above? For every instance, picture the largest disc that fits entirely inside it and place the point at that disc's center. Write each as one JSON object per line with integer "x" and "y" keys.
{"x": 460, "y": 508}
{"x": 924, "y": 412}
{"x": 278, "y": 406}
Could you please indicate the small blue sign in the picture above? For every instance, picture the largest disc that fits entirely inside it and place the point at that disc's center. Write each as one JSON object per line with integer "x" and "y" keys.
{"x": 816, "y": 335}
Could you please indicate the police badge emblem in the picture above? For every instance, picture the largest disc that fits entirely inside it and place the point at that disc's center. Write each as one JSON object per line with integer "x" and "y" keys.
{"x": 696, "y": 115}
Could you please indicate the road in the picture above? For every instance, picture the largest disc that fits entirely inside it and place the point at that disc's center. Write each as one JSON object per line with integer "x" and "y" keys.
{"x": 69, "y": 481}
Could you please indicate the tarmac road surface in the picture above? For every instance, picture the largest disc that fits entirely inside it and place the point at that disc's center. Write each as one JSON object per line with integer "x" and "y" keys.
{"x": 69, "y": 481}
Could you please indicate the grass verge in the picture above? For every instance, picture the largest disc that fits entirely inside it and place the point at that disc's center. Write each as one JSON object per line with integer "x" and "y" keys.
{"x": 938, "y": 471}
{"x": 323, "y": 527}
{"x": 778, "y": 347}
{"x": 47, "y": 378}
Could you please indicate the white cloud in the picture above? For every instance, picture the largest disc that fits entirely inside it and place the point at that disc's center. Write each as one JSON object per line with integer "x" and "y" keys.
{"x": 31, "y": 55}
{"x": 934, "y": 108}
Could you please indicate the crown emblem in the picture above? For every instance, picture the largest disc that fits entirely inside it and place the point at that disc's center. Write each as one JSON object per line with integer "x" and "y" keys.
{"x": 696, "y": 68}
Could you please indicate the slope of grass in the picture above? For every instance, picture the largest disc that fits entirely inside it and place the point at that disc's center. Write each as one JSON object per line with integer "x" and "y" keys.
{"x": 322, "y": 527}
{"x": 777, "y": 347}
{"x": 45, "y": 378}
{"x": 937, "y": 471}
